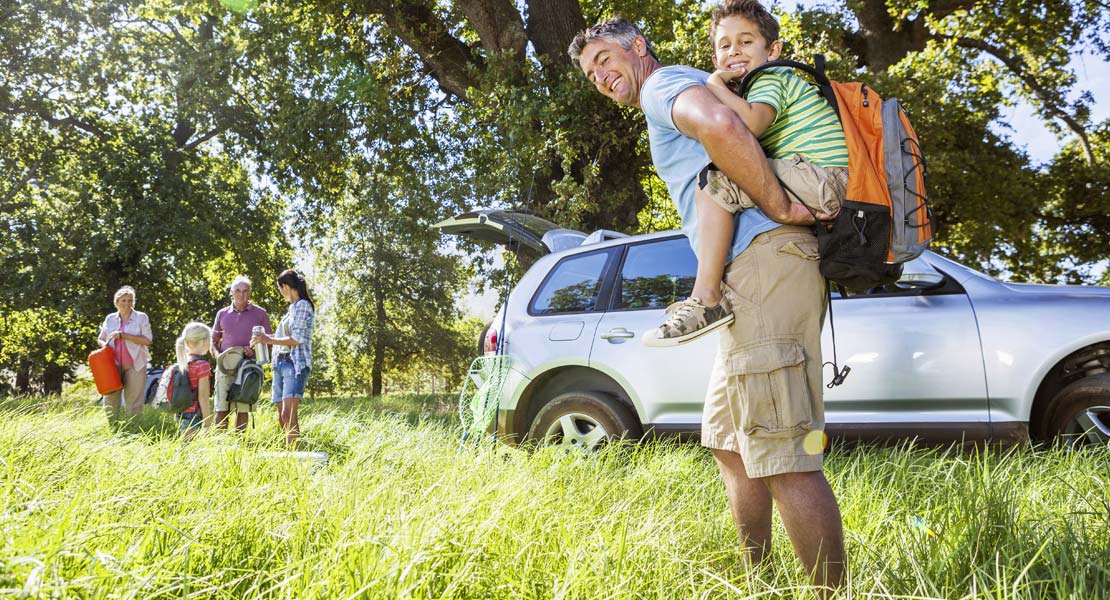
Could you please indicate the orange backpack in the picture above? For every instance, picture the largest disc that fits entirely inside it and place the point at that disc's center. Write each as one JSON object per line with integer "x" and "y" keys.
{"x": 885, "y": 220}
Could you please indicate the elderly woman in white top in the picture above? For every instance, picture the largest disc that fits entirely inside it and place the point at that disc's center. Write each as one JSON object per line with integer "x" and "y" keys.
{"x": 127, "y": 331}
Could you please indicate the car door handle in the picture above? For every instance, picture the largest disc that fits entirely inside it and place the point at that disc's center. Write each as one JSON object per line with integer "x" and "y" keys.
{"x": 619, "y": 332}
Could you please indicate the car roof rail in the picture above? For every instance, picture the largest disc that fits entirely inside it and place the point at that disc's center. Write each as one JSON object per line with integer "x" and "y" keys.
{"x": 602, "y": 235}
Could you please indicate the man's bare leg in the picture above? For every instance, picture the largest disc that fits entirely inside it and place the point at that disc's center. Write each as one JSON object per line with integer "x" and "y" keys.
{"x": 812, "y": 519}
{"x": 715, "y": 229}
{"x": 750, "y": 503}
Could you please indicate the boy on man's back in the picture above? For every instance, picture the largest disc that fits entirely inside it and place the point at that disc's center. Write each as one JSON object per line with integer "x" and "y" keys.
{"x": 798, "y": 130}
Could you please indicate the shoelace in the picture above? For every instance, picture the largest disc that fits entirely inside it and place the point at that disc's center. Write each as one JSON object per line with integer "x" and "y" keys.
{"x": 679, "y": 311}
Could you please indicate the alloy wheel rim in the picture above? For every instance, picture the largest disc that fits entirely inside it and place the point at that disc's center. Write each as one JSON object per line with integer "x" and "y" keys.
{"x": 576, "y": 430}
{"x": 1089, "y": 426}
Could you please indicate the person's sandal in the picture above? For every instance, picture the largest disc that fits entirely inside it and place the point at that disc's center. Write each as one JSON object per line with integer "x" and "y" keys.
{"x": 689, "y": 320}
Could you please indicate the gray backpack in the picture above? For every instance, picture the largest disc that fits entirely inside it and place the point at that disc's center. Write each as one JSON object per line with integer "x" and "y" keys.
{"x": 885, "y": 220}
{"x": 248, "y": 383}
{"x": 174, "y": 393}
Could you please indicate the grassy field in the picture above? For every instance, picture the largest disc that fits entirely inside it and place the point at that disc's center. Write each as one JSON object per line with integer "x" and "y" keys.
{"x": 402, "y": 511}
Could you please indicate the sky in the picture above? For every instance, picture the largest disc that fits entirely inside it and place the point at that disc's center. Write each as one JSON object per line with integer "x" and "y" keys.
{"x": 1029, "y": 130}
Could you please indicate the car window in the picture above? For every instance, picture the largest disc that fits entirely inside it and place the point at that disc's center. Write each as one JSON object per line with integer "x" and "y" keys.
{"x": 657, "y": 274}
{"x": 572, "y": 286}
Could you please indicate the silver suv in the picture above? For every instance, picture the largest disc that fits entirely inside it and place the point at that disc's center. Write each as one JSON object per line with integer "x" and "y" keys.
{"x": 946, "y": 354}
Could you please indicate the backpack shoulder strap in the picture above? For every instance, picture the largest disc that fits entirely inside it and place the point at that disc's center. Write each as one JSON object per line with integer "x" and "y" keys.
{"x": 817, "y": 72}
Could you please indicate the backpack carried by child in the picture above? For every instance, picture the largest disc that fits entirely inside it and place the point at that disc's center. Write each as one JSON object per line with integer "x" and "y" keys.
{"x": 247, "y": 385}
{"x": 174, "y": 393}
{"x": 885, "y": 220}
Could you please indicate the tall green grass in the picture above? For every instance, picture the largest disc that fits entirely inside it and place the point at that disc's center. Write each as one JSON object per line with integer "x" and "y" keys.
{"x": 402, "y": 511}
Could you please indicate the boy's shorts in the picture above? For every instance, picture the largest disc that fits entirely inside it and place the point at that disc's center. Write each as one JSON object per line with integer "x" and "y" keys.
{"x": 764, "y": 397}
{"x": 819, "y": 188}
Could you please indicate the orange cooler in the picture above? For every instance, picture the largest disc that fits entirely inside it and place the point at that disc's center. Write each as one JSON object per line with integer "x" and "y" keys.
{"x": 105, "y": 373}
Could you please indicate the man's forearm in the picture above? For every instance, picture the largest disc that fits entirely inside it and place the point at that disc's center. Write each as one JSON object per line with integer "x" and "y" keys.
{"x": 737, "y": 154}
{"x": 697, "y": 113}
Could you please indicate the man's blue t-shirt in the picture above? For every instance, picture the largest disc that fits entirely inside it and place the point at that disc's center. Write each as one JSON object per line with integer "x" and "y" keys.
{"x": 678, "y": 159}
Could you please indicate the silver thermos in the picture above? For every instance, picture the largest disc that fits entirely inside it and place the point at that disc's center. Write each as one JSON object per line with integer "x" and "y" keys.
{"x": 261, "y": 351}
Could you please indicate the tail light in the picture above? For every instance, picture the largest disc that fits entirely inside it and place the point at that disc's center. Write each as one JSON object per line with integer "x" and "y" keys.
{"x": 491, "y": 341}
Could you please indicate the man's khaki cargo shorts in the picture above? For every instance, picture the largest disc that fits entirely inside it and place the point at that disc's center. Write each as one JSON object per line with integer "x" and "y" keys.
{"x": 764, "y": 397}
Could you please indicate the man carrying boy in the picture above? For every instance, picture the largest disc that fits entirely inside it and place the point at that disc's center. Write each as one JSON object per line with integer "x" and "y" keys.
{"x": 763, "y": 412}
{"x": 797, "y": 128}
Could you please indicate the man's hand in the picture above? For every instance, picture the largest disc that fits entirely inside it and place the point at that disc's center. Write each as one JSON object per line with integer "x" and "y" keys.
{"x": 800, "y": 215}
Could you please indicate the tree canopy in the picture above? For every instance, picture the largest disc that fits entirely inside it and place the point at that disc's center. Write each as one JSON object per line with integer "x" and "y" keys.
{"x": 172, "y": 145}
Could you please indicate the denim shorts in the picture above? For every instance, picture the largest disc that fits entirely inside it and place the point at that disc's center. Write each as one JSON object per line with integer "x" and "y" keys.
{"x": 190, "y": 420}
{"x": 287, "y": 382}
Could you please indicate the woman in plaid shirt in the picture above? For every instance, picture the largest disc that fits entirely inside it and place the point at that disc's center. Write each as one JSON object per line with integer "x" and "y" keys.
{"x": 293, "y": 352}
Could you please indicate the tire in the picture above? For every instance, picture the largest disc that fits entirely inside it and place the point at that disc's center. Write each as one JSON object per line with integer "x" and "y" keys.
{"x": 1080, "y": 413}
{"x": 585, "y": 420}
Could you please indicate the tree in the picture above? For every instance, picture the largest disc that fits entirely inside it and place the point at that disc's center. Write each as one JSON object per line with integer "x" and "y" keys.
{"x": 393, "y": 292}
{"x": 166, "y": 144}
{"x": 108, "y": 116}
{"x": 526, "y": 130}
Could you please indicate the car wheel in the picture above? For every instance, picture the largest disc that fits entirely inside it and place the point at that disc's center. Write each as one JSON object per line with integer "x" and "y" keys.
{"x": 584, "y": 420}
{"x": 1080, "y": 412}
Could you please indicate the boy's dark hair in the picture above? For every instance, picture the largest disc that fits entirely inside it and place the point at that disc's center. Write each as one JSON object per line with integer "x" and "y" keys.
{"x": 616, "y": 29}
{"x": 751, "y": 10}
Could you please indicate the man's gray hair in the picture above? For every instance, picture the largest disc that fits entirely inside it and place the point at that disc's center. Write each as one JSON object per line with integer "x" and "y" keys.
{"x": 240, "y": 279}
{"x": 617, "y": 30}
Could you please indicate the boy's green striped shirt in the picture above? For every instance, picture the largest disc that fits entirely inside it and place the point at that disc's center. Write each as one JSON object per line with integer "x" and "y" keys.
{"x": 804, "y": 124}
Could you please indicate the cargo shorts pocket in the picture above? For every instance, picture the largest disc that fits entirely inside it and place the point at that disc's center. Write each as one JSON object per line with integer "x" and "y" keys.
{"x": 819, "y": 188}
{"x": 767, "y": 381}
{"x": 722, "y": 191}
{"x": 804, "y": 248}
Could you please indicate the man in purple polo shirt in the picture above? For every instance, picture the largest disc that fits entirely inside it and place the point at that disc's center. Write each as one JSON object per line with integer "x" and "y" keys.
{"x": 231, "y": 335}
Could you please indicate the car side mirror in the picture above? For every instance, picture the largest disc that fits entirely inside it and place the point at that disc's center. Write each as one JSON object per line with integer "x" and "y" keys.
{"x": 920, "y": 281}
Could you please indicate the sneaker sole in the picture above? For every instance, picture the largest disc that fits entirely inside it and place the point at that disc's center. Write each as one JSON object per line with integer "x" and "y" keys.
{"x": 651, "y": 341}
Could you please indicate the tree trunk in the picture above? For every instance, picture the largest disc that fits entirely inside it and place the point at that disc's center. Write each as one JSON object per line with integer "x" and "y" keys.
{"x": 23, "y": 379}
{"x": 380, "y": 323}
{"x": 552, "y": 24}
{"x": 881, "y": 41}
{"x": 52, "y": 379}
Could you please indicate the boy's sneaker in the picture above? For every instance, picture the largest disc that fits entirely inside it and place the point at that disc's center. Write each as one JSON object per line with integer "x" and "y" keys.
{"x": 689, "y": 319}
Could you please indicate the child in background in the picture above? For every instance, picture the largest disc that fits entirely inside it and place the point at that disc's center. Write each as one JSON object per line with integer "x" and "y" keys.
{"x": 798, "y": 130}
{"x": 194, "y": 342}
